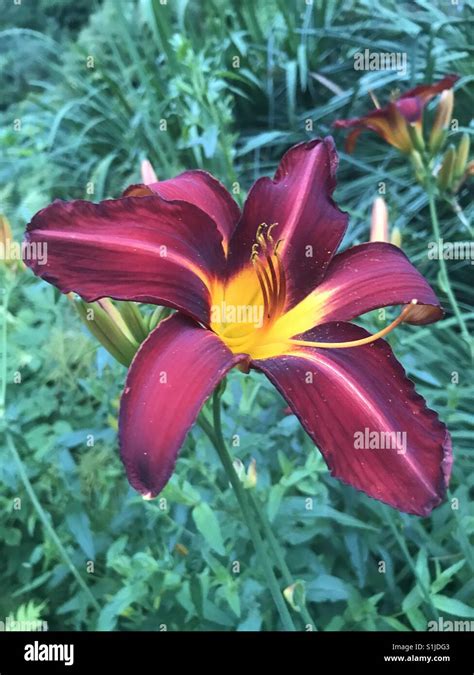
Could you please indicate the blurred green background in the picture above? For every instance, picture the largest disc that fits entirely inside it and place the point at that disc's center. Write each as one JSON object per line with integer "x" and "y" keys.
{"x": 87, "y": 89}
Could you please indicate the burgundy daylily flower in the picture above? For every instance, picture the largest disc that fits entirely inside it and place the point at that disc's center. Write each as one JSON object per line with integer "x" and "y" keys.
{"x": 272, "y": 297}
{"x": 391, "y": 122}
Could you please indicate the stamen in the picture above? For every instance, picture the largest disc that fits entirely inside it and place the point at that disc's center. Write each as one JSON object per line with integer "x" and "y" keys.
{"x": 269, "y": 236}
{"x": 258, "y": 270}
{"x": 282, "y": 286}
{"x": 269, "y": 271}
{"x": 363, "y": 341}
{"x": 273, "y": 276}
{"x": 277, "y": 246}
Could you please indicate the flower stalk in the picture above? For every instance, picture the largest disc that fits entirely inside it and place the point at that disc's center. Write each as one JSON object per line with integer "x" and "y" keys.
{"x": 249, "y": 502}
{"x": 214, "y": 432}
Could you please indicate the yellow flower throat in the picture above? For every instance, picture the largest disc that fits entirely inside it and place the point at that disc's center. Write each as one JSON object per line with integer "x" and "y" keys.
{"x": 248, "y": 312}
{"x": 245, "y": 310}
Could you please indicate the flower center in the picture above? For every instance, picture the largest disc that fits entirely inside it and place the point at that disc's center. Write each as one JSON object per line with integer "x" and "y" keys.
{"x": 247, "y": 306}
{"x": 248, "y": 311}
{"x": 270, "y": 273}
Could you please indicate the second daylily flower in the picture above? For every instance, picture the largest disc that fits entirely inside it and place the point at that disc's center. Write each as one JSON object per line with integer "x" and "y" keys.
{"x": 399, "y": 120}
{"x": 260, "y": 289}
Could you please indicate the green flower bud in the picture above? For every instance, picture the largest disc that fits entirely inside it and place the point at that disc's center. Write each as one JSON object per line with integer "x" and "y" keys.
{"x": 416, "y": 136}
{"x": 134, "y": 320}
{"x": 105, "y": 322}
{"x": 295, "y": 595}
{"x": 462, "y": 155}
{"x": 445, "y": 175}
{"x": 396, "y": 237}
{"x": 442, "y": 121}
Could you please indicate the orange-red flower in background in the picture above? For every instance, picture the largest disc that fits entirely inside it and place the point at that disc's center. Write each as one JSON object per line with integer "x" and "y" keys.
{"x": 392, "y": 122}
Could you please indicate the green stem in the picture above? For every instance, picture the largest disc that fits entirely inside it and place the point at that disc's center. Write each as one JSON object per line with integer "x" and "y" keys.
{"x": 401, "y": 542}
{"x": 267, "y": 530}
{"x": 218, "y": 440}
{"x": 443, "y": 268}
{"x": 278, "y": 553}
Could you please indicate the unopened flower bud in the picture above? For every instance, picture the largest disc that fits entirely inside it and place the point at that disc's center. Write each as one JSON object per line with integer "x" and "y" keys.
{"x": 445, "y": 175}
{"x": 105, "y": 322}
{"x": 416, "y": 136}
{"x": 134, "y": 320}
{"x": 158, "y": 315}
{"x": 295, "y": 595}
{"x": 420, "y": 171}
{"x": 239, "y": 469}
{"x": 251, "y": 478}
{"x": 396, "y": 237}
{"x": 148, "y": 173}
{"x": 10, "y": 250}
{"x": 247, "y": 478}
{"x": 442, "y": 120}
{"x": 5, "y": 231}
{"x": 379, "y": 220}
{"x": 462, "y": 155}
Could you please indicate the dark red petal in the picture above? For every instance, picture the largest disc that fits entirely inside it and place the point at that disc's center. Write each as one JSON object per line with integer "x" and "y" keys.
{"x": 376, "y": 275}
{"x": 136, "y": 248}
{"x": 339, "y": 393}
{"x": 173, "y": 373}
{"x": 388, "y": 122}
{"x": 351, "y": 139}
{"x": 427, "y": 91}
{"x": 309, "y": 222}
{"x": 206, "y": 192}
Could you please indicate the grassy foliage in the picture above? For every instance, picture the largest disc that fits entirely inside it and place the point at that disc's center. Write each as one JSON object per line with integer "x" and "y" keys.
{"x": 142, "y": 79}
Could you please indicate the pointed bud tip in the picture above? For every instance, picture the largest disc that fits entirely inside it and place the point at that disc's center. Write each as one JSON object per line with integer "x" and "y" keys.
{"x": 379, "y": 221}
{"x": 148, "y": 172}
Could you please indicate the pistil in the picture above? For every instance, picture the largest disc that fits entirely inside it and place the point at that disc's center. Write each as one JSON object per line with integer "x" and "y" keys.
{"x": 363, "y": 341}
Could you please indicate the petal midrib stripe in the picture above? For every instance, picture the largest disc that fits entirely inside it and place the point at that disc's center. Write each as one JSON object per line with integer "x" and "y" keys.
{"x": 127, "y": 244}
{"x": 367, "y": 403}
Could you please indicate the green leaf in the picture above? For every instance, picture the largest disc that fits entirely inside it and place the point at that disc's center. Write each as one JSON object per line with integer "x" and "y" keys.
{"x": 208, "y": 525}
{"x": 261, "y": 140}
{"x": 303, "y": 66}
{"x": 412, "y": 600}
{"x": 422, "y": 568}
{"x": 417, "y": 619}
{"x": 326, "y": 587}
{"x": 274, "y": 500}
{"x": 231, "y": 594}
{"x": 291, "y": 73}
{"x": 453, "y": 606}
{"x": 445, "y": 577}
{"x": 395, "y": 624}
{"x": 341, "y": 518}
{"x": 79, "y": 525}
{"x": 119, "y": 603}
